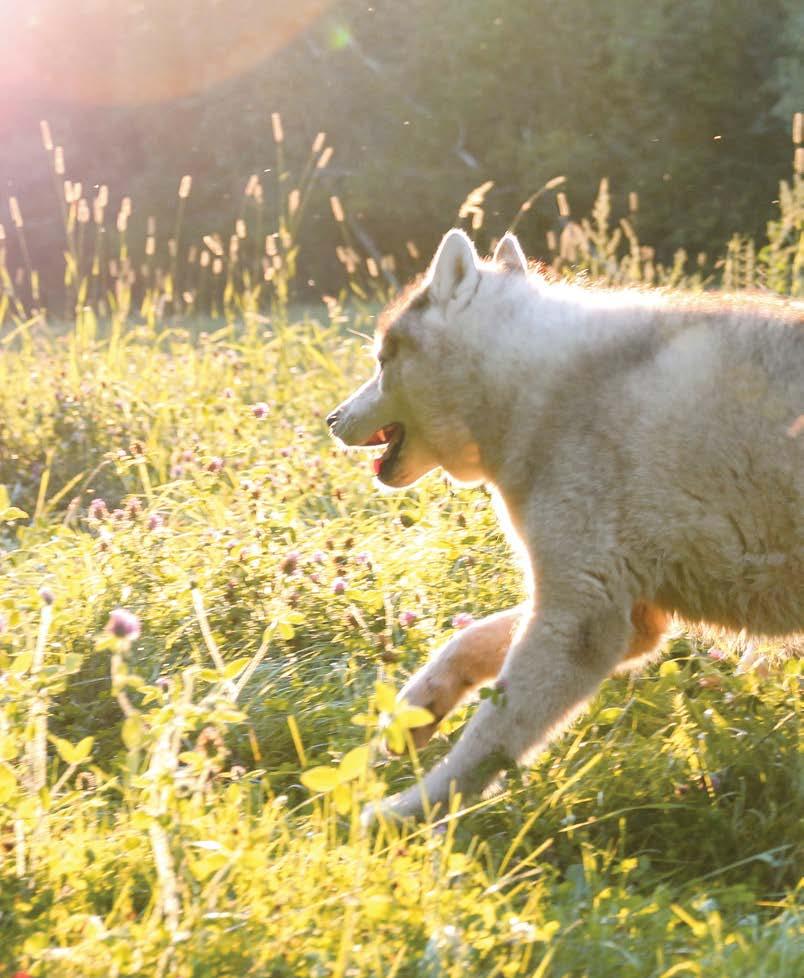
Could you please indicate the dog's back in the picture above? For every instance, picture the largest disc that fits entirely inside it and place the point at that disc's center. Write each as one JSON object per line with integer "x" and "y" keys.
{"x": 696, "y": 418}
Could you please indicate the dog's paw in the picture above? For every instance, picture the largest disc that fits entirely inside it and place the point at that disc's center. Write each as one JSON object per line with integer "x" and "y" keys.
{"x": 377, "y": 811}
{"x": 405, "y": 805}
{"x": 368, "y": 816}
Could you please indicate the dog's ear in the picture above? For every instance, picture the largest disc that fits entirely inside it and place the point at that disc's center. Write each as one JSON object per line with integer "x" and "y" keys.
{"x": 510, "y": 255}
{"x": 454, "y": 271}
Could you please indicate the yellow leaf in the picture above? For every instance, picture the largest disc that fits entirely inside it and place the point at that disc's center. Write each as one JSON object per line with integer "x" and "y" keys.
{"x": 386, "y": 697}
{"x": 233, "y": 668}
{"x": 132, "y": 732}
{"x": 285, "y": 630}
{"x": 414, "y": 716}
{"x": 13, "y": 513}
{"x": 353, "y": 764}
{"x": 342, "y": 796}
{"x": 21, "y": 663}
{"x": 8, "y": 748}
{"x": 458, "y": 863}
{"x": 396, "y": 738}
{"x": 82, "y": 750}
{"x": 8, "y": 782}
{"x": 202, "y": 867}
{"x": 376, "y": 906}
{"x": 65, "y": 749}
{"x": 320, "y": 778}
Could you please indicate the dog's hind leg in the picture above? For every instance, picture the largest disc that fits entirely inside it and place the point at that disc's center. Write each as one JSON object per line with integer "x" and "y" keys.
{"x": 472, "y": 657}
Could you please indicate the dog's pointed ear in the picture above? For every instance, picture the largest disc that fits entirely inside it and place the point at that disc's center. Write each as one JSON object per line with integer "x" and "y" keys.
{"x": 510, "y": 255}
{"x": 454, "y": 271}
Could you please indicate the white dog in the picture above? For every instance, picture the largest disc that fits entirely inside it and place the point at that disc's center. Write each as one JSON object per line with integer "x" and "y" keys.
{"x": 646, "y": 454}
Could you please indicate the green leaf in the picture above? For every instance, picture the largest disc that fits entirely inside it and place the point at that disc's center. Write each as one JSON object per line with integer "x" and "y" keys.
{"x": 320, "y": 778}
{"x": 72, "y": 662}
{"x": 609, "y": 715}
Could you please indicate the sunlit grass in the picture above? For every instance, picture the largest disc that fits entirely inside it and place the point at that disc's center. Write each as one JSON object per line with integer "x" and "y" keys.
{"x": 181, "y": 797}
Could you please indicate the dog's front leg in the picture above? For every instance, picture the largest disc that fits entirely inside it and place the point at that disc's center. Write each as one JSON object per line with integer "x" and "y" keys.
{"x": 555, "y": 664}
{"x": 470, "y": 658}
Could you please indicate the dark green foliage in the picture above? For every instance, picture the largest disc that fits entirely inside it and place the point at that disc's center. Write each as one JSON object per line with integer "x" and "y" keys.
{"x": 687, "y": 104}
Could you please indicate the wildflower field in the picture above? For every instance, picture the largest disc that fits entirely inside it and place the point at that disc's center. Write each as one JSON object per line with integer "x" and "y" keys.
{"x": 206, "y": 609}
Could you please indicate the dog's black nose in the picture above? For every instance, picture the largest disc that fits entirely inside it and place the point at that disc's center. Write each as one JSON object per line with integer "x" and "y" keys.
{"x": 332, "y": 419}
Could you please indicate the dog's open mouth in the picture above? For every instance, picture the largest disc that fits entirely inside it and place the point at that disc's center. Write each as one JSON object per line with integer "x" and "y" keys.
{"x": 392, "y": 435}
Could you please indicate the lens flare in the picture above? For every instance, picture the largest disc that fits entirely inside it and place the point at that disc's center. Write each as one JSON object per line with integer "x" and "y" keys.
{"x": 118, "y": 53}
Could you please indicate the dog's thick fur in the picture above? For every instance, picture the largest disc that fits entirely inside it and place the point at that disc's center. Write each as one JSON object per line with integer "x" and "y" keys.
{"x": 646, "y": 454}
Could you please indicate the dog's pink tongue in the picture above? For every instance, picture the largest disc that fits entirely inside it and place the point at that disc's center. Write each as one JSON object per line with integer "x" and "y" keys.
{"x": 377, "y": 465}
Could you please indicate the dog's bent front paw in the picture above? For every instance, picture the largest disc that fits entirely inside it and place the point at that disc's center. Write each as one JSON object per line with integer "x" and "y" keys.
{"x": 407, "y": 804}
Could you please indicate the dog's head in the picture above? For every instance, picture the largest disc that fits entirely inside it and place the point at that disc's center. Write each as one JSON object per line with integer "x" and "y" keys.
{"x": 418, "y": 403}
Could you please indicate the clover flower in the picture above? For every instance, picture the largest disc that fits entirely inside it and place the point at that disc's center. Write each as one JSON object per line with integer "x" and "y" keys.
{"x": 97, "y": 509}
{"x": 289, "y": 562}
{"x": 123, "y": 624}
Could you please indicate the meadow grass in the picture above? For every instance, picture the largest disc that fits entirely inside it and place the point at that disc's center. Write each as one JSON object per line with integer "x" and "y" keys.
{"x": 180, "y": 795}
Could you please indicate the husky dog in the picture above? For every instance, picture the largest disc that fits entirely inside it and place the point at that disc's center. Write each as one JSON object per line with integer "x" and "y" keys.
{"x": 646, "y": 455}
